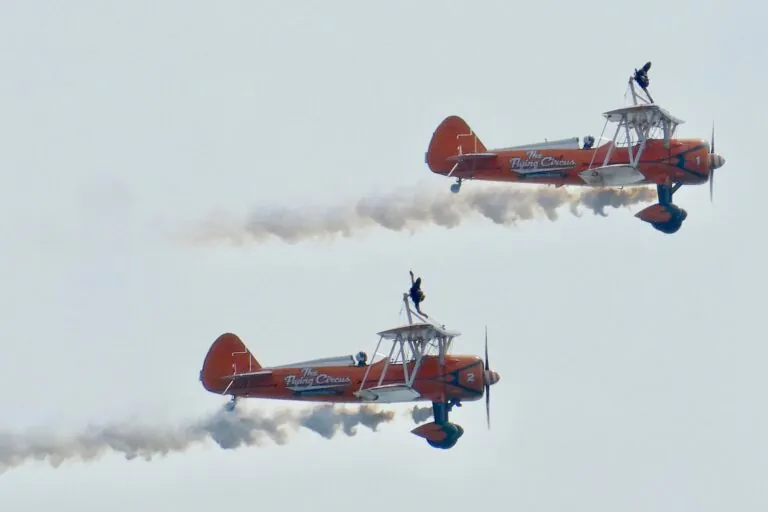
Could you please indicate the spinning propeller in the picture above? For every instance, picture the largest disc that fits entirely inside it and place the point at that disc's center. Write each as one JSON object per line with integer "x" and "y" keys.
{"x": 715, "y": 162}
{"x": 490, "y": 378}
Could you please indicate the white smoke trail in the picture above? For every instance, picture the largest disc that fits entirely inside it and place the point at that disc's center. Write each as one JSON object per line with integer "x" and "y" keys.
{"x": 410, "y": 210}
{"x": 420, "y": 414}
{"x": 230, "y": 430}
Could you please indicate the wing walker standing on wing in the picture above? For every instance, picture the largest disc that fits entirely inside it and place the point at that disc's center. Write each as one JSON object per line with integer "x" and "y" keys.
{"x": 418, "y": 367}
{"x": 417, "y": 296}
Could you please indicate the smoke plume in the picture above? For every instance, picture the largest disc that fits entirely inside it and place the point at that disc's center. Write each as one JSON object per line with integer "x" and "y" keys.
{"x": 229, "y": 430}
{"x": 420, "y": 414}
{"x": 410, "y": 210}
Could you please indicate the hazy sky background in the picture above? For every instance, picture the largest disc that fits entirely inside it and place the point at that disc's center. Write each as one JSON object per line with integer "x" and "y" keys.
{"x": 632, "y": 362}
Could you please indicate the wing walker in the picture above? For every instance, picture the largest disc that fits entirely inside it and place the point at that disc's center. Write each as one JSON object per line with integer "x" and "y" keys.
{"x": 418, "y": 367}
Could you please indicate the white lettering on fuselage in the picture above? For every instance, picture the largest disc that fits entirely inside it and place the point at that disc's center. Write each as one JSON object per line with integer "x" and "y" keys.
{"x": 310, "y": 378}
{"x": 535, "y": 162}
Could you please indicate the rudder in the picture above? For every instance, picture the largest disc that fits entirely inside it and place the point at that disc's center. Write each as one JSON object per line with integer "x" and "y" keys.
{"x": 228, "y": 355}
{"x": 451, "y": 137}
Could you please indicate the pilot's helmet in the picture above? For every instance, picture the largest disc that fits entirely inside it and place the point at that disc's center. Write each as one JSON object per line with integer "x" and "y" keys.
{"x": 589, "y": 140}
{"x": 362, "y": 356}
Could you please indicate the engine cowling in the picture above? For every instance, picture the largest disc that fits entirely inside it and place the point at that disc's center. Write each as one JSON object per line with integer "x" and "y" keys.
{"x": 667, "y": 218}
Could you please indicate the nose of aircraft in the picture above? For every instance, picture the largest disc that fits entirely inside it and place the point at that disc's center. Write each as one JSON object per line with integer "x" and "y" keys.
{"x": 717, "y": 161}
{"x": 491, "y": 377}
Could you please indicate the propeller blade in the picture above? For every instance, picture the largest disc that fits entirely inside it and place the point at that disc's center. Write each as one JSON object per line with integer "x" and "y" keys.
{"x": 488, "y": 407}
{"x": 712, "y": 171}
{"x": 487, "y": 384}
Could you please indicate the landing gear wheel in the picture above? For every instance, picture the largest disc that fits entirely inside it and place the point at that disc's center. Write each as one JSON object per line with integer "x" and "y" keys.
{"x": 456, "y": 187}
{"x": 673, "y": 224}
{"x": 447, "y": 444}
{"x": 453, "y": 433}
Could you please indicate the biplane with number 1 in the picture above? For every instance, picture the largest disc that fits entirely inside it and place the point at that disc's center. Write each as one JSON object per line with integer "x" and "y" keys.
{"x": 417, "y": 367}
{"x": 643, "y": 151}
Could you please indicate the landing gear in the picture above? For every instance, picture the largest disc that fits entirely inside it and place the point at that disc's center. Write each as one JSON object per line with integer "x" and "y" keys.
{"x": 677, "y": 214}
{"x": 452, "y": 431}
{"x": 664, "y": 216}
{"x": 456, "y": 187}
{"x": 231, "y": 404}
{"x": 673, "y": 224}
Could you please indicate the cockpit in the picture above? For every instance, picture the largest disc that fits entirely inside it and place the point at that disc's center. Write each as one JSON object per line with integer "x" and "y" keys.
{"x": 361, "y": 359}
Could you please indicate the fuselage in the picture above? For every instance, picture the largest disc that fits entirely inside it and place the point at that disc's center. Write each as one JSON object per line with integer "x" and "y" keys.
{"x": 461, "y": 377}
{"x": 686, "y": 161}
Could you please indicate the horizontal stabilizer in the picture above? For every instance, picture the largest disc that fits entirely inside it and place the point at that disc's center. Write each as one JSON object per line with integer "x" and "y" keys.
{"x": 612, "y": 176}
{"x": 247, "y": 375}
{"x": 390, "y": 393}
{"x": 469, "y": 157}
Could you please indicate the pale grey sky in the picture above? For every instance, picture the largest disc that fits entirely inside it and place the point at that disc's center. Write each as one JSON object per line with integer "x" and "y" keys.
{"x": 631, "y": 362}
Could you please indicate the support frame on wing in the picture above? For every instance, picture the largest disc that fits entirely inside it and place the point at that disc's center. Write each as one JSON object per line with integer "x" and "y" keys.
{"x": 635, "y": 124}
{"x": 409, "y": 344}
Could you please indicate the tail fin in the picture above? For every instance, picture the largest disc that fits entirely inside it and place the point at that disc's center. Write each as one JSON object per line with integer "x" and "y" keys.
{"x": 452, "y": 137}
{"x": 227, "y": 356}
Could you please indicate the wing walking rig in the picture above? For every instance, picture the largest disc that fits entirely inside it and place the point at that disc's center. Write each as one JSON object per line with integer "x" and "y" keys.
{"x": 409, "y": 344}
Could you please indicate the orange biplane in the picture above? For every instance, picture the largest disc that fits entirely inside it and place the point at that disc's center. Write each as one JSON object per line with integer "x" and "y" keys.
{"x": 643, "y": 151}
{"x": 418, "y": 367}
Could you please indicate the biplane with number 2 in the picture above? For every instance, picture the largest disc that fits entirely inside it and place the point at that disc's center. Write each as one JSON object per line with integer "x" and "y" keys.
{"x": 417, "y": 367}
{"x": 643, "y": 151}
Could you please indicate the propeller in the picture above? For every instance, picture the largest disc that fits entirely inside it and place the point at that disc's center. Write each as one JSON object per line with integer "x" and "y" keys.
{"x": 487, "y": 383}
{"x": 490, "y": 378}
{"x": 715, "y": 162}
{"x": 712, "y": 172}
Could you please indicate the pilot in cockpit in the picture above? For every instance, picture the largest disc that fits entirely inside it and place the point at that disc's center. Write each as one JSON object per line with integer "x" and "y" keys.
{"x": 589, "y": 141}
{"x": 361, "y": 358}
